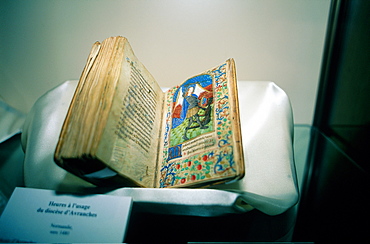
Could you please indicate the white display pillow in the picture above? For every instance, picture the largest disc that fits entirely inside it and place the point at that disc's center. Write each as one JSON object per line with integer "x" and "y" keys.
{"x": 269, "y": 185}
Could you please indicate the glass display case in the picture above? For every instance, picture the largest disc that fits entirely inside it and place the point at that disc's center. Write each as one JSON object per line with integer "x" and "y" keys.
{"x": 333, "y": 205}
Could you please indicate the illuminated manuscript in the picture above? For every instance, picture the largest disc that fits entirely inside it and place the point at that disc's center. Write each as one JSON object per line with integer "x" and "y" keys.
{"x": 122, "y": 130}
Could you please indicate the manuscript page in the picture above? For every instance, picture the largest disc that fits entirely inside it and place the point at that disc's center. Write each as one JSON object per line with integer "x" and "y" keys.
{"x": 201, "y": 140}
{"x": 134, "y": 123}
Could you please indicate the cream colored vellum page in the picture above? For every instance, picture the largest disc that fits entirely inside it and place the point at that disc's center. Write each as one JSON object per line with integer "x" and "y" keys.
{"x": 130, "y": 140}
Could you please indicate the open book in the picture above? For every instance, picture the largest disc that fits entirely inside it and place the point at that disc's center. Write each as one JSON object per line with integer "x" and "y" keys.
{"x": 121, "y": 129}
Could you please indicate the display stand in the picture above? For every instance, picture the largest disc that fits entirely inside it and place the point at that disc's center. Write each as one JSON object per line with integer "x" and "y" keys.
{"x": 269, "y": 184}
